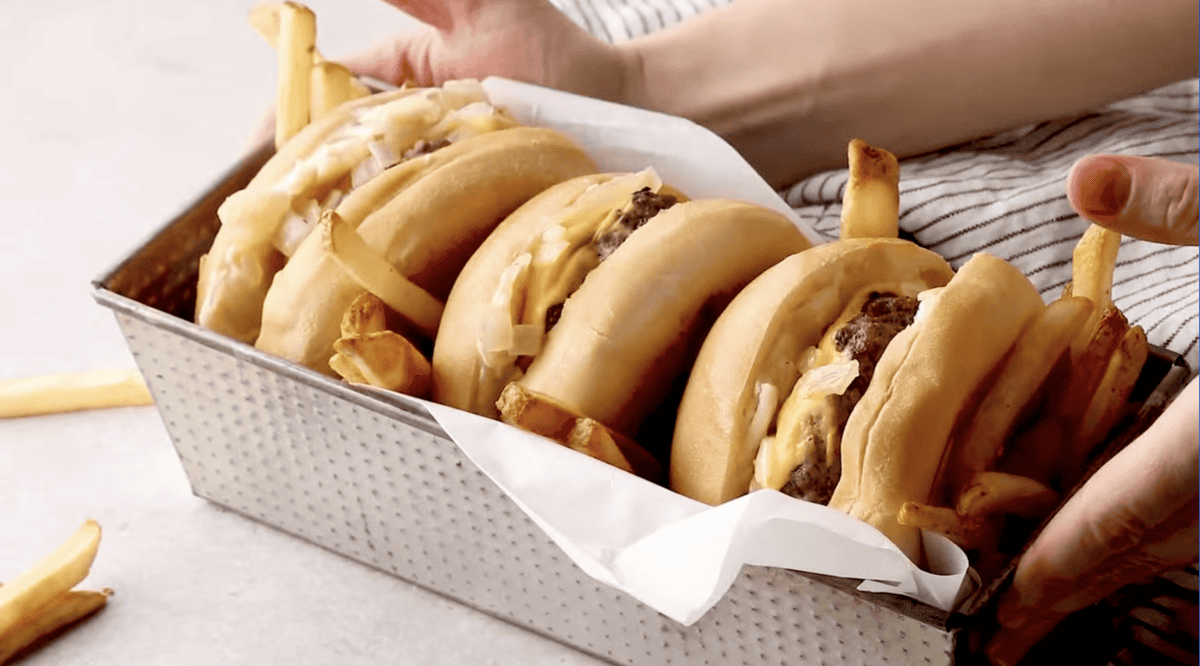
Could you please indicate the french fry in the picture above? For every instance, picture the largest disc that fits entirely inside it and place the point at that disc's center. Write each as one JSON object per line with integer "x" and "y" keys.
{"x": 598, "y": 441}
{"x": 384, "y": 359}
{"x": 73, "y": 391}
{"x": 1026, "y": 369}
{"x": 1109, "y": 401}
{"x": 64, "y": 610}
{"x": 295, "y": 45}
{"x": 333, "y": 84}
{"x": 1092, "y": 264}
{"x": 264, "y": 18}
{"x": 998, "y": 493}
{"x": 536, "y": 413}
{"x": 542, "y": 415}
{"x": 51, "y": 577}
{"x": 871, "y": 203}
{"x": 1090, "y": 362}
{"x": 369, "y": 353}
{"x": 366, "y": 314}
{"x": 970, "y": 533}
{"x": 377, "y": 276}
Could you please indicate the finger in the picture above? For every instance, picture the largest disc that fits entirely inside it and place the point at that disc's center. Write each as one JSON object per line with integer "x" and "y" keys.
{"x": 405, "y": 57}
{"x": 439, "y": 14}
{"x": 1144, "y": 197}
{"x": 1136, "y": 518}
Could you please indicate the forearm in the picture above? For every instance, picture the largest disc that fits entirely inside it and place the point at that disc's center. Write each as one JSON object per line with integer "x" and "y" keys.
{"x": 790, "y": 82}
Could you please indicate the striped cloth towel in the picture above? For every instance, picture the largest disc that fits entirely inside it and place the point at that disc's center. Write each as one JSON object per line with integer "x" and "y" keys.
{"x": 1005, "y": 194}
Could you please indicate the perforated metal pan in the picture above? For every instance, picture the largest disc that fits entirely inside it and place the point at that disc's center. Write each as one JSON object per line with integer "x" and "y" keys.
{"x": 374, "y": 478}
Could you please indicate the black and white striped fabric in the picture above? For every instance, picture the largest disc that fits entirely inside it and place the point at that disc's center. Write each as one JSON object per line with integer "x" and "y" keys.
{"x": 1005, "y": 194}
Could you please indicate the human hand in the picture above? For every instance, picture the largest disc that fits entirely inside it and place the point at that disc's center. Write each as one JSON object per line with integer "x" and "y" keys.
{"x": 1144, "y": 197}
{"x": 1137, "y": 516}
{"x": 525, "y": 40}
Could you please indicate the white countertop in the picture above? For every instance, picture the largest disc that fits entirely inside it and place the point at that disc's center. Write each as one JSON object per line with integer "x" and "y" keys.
{"x": 117, "y": 114}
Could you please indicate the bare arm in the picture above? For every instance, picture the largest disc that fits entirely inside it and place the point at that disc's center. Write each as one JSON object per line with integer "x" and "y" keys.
{"x": 790, "y": 82}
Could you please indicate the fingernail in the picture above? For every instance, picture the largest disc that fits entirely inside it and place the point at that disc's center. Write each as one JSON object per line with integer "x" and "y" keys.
{"x": 1103, "y": 186}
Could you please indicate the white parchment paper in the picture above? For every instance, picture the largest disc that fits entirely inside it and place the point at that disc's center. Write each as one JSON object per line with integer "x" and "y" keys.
{"x": 672, "y": 553}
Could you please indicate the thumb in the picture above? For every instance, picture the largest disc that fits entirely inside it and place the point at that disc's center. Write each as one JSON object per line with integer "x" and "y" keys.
{"x": 1143, "y": 197}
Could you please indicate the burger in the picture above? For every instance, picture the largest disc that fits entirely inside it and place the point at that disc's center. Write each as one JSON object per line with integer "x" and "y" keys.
{"x": 594, "y": 296}
{"x": 840, "y": 375}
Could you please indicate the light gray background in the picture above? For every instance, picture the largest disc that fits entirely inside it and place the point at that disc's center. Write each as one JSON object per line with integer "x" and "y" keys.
{"x": 115, "y": 115}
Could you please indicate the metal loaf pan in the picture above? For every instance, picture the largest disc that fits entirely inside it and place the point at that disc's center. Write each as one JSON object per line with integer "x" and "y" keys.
{"x": 374, "y": 478}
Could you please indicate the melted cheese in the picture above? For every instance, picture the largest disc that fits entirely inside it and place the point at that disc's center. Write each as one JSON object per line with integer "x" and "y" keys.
{"x": 552, "y": 268}
{"x": 807, "y": 418}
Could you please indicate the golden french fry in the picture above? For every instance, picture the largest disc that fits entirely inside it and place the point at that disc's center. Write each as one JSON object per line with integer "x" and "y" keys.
{"x": 1092, "y": 265}
{"x": 295, "y": 45}
{"x": 871, "y": 203}
{"x": 998, "y": 493}
{"x": 542, "y": 415}
{"x": 1036, "y": 451}
{"x": 73, "y": 391}
{"x": 536, "y": 413}
{"x": 384, "y": 359}
{"x": 1089, "y": 363}
{"x": 373, "y": 273}
{"x": 970, "y": 533}
{"x": 1026, "y": 369}
{"x": 598, "y": 441}
{"x": 366, "y": 314}
{"x": 592, "y": 438}
{"x": 62, "y": 611}
{"x": 264, "y": 18}
{"x": 53, "y": 575}
{"x": 1109, "y": 402}
{"x": 332, "y": 85}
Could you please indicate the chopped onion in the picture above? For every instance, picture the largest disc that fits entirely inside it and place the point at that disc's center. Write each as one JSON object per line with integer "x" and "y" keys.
{"x": 365, "y": 171}
{"x": 829, "y": 379}
{"x": 496, "y": 333}
{"x": 385, "y": 154}
{"x": 468, "y": 88}
{"x": 552, "y": 243}
{"x": 762, "y": 464}
{"x": 767, "y": 396}
{"x": 473, "y": 109}
{"x": 291, "y": 232}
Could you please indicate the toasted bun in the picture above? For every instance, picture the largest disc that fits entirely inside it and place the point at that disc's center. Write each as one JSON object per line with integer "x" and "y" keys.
{"x": 896, "y": 437}
{"x": 624, "y": 335}
{"x": 437, "y": 215}
{"x": 318, "y": 132}
{"x": 237, "y": 270}
{"x": 463, "y": 375}
{"x": 757, "y": 343}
